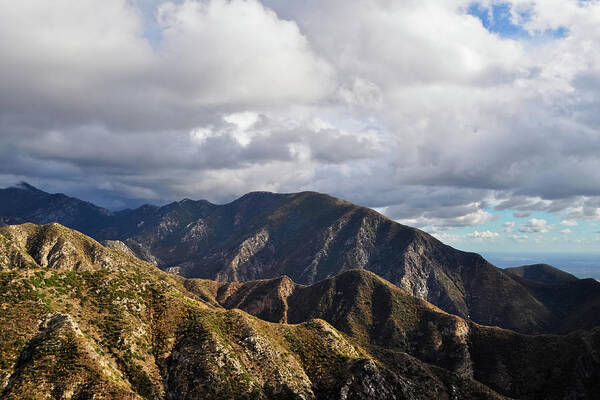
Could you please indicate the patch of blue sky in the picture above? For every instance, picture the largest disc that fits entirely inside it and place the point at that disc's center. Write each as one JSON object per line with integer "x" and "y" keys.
{"x": 584, "y": 237}
{"x": 147, "y": 9}
{"x": 497, "y": 18}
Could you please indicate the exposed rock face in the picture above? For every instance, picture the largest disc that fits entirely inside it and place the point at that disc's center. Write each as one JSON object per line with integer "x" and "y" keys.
{"x": 121, "y": 328}
{"x": 51, "y": 246}
{"x": 242, "y": 256}
{"x": 81, "y": 320}
{"x": 118, "y": 245}
{"x": 266, "y": 299}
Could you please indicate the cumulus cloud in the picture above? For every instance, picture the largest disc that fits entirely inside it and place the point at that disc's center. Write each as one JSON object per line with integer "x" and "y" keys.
{"x": 90, "y": 62}
{"x": 519, "y": 238}
{"x": 416, "y": 106}
{"x": 484, "y": 235}
{"x": 588, "y": 210}
{"x": 477, "y": 217}
{"x": 85, "y": 97}
{"x": 508, "y": 226}
{"x": 535, "y": 226}
{"x": 237, "y": 53}
{"x": 569, "y": 222}
{"x": 447, "y": 237}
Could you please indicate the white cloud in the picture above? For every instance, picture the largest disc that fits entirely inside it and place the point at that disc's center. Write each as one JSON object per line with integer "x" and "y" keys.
{"x": 484, "y": 235}
{"x": 569, "y": 222}
{"x": 237, "y": 52}
{"x": 566, "y": 231}
{"x": 440, "y": 221}
{"x": 519, "y": 238}
{"x": 447, "y": 237}
{"x": 585, "y": 211}
{"x": 535, "y": 225}
{"x": 475, "y": 218}
{"x": 90, "y": 62}
{"x": 508, "y": 226}
{"x": 361, "y": 93}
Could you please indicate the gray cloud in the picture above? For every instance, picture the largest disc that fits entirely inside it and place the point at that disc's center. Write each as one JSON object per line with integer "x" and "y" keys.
{"x": 214, "y": 98}
{"x": 518, "y": 214}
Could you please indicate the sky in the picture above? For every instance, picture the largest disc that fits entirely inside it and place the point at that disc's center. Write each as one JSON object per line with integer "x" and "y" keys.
{"x": 476, "y": 121}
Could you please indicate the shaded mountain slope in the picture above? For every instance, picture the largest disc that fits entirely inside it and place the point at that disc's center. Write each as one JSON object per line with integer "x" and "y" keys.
{"x": 542, "y": 274}
{"x": 387, "y": 319}
{"x": 575, "y": 303}
{"x": 25, "y": 203}
{"x": 80, "y": 318}
{"x": 310, "y": 236}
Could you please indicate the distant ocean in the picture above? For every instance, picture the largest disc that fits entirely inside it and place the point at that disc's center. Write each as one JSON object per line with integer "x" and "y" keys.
{"x": 580, "y": 265}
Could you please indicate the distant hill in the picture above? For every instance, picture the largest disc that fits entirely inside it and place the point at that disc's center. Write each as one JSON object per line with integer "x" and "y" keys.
{"x": 25, "y": 203}
{"x": 542, "y": 273}
{"x": 574, "y": 302}
{"x": 307, "y": 236}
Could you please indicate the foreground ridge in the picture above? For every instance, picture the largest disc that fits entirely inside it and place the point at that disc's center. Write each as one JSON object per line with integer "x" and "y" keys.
{"x": 81, "y": 318}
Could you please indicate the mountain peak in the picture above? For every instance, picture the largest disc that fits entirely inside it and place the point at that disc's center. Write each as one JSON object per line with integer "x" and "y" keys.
{"x": 258, "y": 195}
{"x": 53, "y": 246}
{"x": 26, "y": 186}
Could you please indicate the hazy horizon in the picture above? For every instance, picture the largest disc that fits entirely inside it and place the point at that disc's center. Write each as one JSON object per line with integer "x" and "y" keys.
{"x": 582, "y": 265}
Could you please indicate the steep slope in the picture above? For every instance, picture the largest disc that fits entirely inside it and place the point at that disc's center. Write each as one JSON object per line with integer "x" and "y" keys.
{"x": 386, "y": 319}
{"x": 80, "y": 318}
{"x": 70, "y": 367}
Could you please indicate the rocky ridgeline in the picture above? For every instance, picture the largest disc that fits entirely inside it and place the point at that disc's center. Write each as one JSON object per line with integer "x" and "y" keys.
{"x": 310, "y": 237}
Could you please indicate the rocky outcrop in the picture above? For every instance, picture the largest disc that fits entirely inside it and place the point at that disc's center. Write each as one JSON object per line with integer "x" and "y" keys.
{"x": 118, "y": 245}
{"x": 52, "y": 246}
{"x": 240, "y": 265}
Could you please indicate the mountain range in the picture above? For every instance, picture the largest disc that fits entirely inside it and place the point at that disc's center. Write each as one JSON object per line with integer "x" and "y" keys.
{"x": 309, "y": 237}
{"x": 82, "y": 320}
